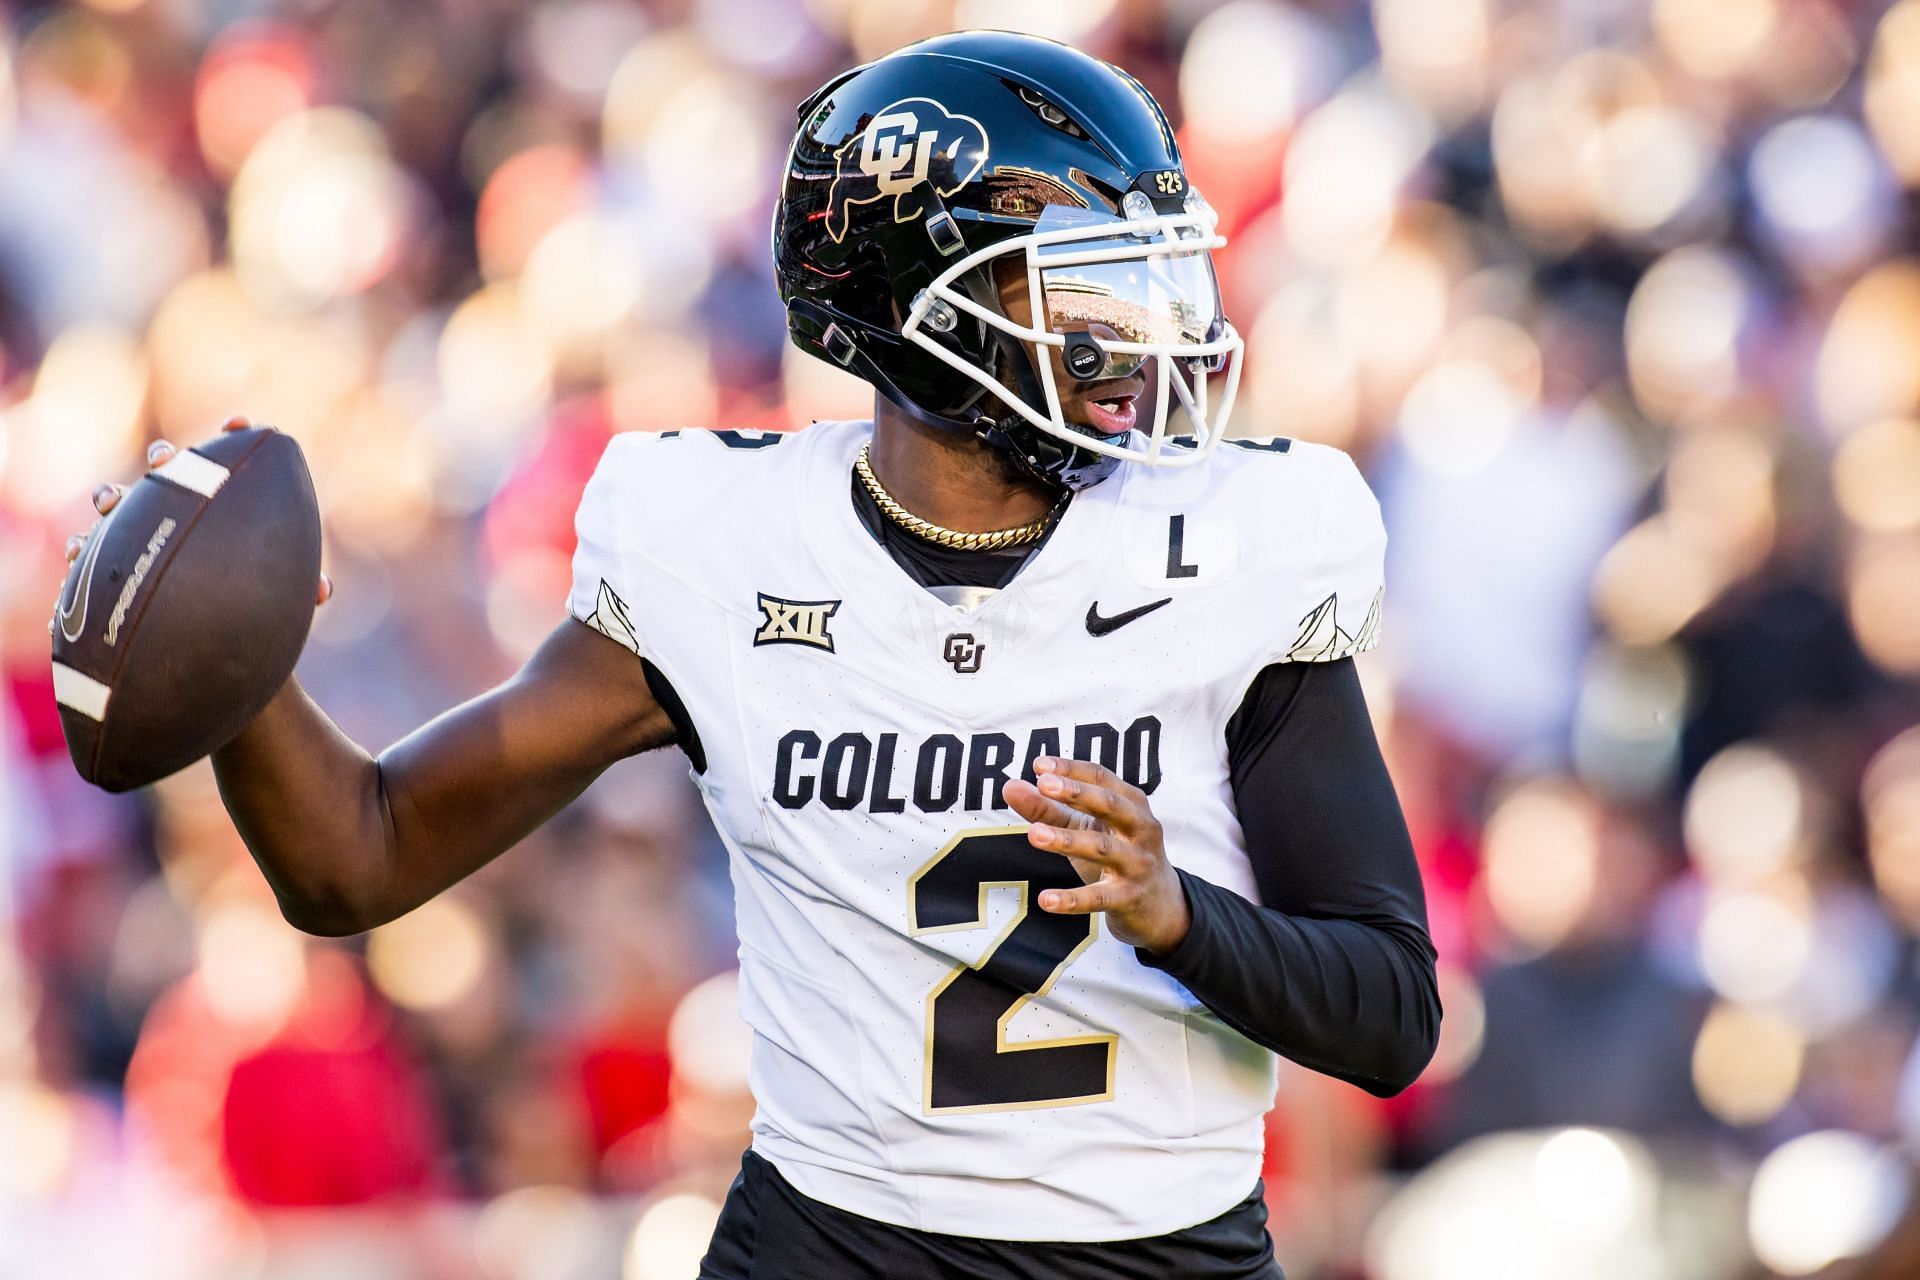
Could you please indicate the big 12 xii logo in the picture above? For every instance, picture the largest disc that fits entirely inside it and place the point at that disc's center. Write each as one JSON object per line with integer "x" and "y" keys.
{"x": 913, "y": 141}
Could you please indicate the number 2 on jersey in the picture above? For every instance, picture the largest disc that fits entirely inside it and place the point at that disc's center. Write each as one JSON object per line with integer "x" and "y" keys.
{"x": 970, "y": 1066}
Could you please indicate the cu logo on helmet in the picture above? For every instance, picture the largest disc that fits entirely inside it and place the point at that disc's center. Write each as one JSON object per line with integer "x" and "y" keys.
{"x": 913, "y": 141}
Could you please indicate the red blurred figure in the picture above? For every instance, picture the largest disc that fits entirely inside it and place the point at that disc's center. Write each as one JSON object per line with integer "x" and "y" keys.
{"x": 326, "y": 1109}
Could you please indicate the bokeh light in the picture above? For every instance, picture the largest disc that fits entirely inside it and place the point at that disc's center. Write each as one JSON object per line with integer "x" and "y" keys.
{"x": 1883, "y": 601}
{"x": 1653, "y": 582}
{"x": 1586, "y": 1183}
{"x": 430, "y": 958}
{"x": 1715, "y": 39}
{"x": 1301, "y": 381}
{"x": 1866, "y": 369}
{"x": 537, "y": 1231}
{"x": 37, "y": 1127}
{"x": 1821, "y": 1198}
{"x": 1344, "y": 172}
{"x": 251, "y": 79}
{"x": 1436, "y": 51}
{"x": 673, "y": 112}
{"x": 1747, "y": 1063}
{"x": 581, "y": 282}
{"x": 1648, "y": 166}
{"x": 1633, "y": 703}
{"x": 1462, "y": 412}
{"x": 788, "y": 41}
{"x": 1755, "y": 944}
{"x": 318, "y": 210}
{"x": 1890, "y": 796}
{"x": 1575, "y": 1204}
{"x": 9, "y": 103}
{"x": 252, "y": 966}
{"x": 1462, "y": 1030}
{"x": 1746, "y": 816}
{"x": 1069, "y": 21}
{"x": 670, "y": 1238}
{"x": 495, "y": 371}
{"x": 1391, "y": 311}
{"x": 709, "y": 1040}
{"x": 1251, "y": 68}
{"x": 1893, "y": 89}
{"x": 1819, "y": 188}
{"x": 80, "y": 420}
{"x": 1542, "y": 851}
{"x": 525, "y": 198}
{"x": 1876, "y": 476}
{"x": 1684, "y": 327}
{"x": 578, "y": 44}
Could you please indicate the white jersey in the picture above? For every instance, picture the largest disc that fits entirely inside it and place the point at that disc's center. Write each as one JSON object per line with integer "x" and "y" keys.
{"x": 931, "y": 1049}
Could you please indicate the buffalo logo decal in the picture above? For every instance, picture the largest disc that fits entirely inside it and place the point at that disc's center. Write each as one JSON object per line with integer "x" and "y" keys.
{"x": 913, "y": 141}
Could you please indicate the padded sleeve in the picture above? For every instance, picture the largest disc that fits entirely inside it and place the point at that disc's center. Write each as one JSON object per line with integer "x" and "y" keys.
{"x": 603, "y": 575}
{"x": 1344, "y": 581}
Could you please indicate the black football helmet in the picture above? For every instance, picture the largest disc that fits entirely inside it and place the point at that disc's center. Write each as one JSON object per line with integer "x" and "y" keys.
{"x": 910, "y": 178}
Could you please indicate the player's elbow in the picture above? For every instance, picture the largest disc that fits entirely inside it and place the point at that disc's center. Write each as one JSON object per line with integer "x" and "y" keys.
{"x": 324, "y": 915}
{"x": 1403, "y": 1069}
{"x": 1405, "y": 1056}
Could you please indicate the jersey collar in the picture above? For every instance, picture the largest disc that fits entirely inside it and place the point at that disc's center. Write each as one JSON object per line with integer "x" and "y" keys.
{"x": 1068, "y": 562}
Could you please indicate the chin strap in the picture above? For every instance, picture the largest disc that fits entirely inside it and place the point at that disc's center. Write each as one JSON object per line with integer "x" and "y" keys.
{"x": 1036, "y": 452}
{"x": 836, "y": 337}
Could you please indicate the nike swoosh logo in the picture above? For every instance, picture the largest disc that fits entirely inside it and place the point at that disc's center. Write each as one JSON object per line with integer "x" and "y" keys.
{"x": 1099, "y": 626}
{"x": 70, "y": 627}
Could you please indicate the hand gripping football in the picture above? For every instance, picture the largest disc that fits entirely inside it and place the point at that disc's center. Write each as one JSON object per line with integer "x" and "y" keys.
{"x": 186, "y": 610}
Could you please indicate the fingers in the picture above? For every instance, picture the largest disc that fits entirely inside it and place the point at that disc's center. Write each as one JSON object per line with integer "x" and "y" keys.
{"x": 107, "y": 497}
{"x": 326, "y": 590}
{"x": 158, "y": 452}
{"x": 1101, "y": 895}
{"x": 1088, "y": 771}
{"x": 236, "y": 423}
{"x": 1025, "y": 799}
{"x": 1103, "y": 848}
{"x": 74, "y": 544}
{"x": 1093, "y": 789}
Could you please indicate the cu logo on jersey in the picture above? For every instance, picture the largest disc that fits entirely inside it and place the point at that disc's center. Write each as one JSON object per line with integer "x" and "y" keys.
{"x": 963, "y": 652}
{"x": 915, "y": 140}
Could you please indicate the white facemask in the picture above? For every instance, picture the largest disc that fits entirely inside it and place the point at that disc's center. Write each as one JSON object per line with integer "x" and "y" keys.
{"x": 1109, "y": 294}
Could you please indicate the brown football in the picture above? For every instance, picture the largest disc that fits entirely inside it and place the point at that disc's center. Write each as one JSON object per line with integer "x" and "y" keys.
{"x": 187, "y": 609}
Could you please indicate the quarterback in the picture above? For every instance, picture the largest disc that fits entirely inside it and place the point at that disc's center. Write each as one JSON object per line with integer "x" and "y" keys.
{"x": 1053, "y": 808}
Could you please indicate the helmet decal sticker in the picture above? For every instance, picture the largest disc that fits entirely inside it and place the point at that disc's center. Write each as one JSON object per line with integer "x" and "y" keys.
{"x": 912, "y": 141}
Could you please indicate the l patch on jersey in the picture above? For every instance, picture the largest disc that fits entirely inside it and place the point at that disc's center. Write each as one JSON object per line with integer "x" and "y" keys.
{"x": 794, "y": 621}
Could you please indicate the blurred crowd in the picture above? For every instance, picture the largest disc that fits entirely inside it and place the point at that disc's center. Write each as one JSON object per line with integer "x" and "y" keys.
{"x": 1617, "y": 302}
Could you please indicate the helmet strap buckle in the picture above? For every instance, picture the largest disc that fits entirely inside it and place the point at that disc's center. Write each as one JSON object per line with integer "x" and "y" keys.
{"x": 839, "y": 345}
{"x": 945, "y": 234}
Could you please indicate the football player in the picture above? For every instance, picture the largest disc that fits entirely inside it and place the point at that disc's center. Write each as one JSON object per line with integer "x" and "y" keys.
{"x": 1053, "y": 806}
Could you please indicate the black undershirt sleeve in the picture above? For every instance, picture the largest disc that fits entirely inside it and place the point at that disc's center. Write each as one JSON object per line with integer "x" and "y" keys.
{"x": 1333, "y": 968}
{"x": 685, "y": 736}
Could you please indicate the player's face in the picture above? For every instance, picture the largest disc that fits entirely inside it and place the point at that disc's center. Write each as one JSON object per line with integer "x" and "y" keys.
{"x": 1105, "y": 407}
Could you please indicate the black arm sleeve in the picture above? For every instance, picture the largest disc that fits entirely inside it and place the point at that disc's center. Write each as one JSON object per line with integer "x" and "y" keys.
{"x": 1334, "y": 970}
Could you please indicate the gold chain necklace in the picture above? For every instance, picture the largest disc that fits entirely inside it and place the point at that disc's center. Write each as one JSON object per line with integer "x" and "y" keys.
{"x": 940, "y": 535}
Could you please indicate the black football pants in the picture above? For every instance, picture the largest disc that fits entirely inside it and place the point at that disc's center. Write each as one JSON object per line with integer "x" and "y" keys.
{"x": 769, "y": 1231}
